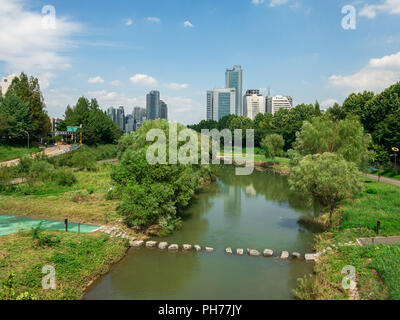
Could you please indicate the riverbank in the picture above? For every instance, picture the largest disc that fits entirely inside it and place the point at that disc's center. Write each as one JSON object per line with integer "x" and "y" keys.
{"x": 376, "y": 266}
{"x": 79, "y": 259}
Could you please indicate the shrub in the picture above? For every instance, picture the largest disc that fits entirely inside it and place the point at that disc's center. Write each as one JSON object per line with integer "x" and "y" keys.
{"x": 84, "y": 160}
{"x": 41, "y": 171}
{"x": 64, "y": 177}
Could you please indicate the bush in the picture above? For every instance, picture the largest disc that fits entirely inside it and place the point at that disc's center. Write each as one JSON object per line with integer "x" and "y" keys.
{"x": 64, "y": 177}
{"x": 84, "y": 160}
{"x": 5, "y": 177}
{"x": 41, "y": 171}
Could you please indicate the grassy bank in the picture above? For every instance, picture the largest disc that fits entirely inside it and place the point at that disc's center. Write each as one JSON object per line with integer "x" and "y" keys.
{"x": 77, "y": 259}
{"x": 14, "y": 152}
{"x": 377, "y": 266}
{"x": 85, "y": 201}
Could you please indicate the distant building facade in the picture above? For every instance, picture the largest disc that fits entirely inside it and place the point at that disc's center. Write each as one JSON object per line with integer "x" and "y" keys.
{"x": 5, "y": 83}
{"x": 163, "y": 110}
{"x": 210, "y": 94}
{"x": 234, "y": 79}
{"x": 139, "y": 116}
{"x": 253, "y": 104}
{"x": 153, "y": 105}
{"x": 275, "y": 103}
{"x": 121, "y": 118}
{"x": 223, "y": 103}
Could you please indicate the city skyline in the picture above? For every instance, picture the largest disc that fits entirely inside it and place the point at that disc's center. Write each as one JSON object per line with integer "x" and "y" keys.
{"x": 326, "y": 66}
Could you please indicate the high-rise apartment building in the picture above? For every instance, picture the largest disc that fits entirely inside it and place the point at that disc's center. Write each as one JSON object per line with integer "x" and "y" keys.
{"x": 112, "y": 114}
{"x": 210, "y": 94}
{"x": 153, "y": 106}
{"x": 139, "y": 114}
{"x": 275, "y": 103}
{"x": 5, "y": 83}
{"x": 234, "y": 79}
{"x": 253, "y": 104}
{"x": 121, "y": 118}
{"x": 163, "y": 110}
{"x": 223, "y": 102}
{"x": 129, "y": 123}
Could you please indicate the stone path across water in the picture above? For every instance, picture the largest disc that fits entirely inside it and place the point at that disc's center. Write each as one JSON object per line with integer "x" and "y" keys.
{"x": 116, "y": 232}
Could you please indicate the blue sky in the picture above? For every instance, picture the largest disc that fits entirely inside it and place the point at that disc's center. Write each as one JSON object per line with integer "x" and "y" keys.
{"x": 117, "y": 51}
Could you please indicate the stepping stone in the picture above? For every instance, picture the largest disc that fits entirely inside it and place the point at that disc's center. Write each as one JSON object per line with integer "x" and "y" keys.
{"x": 285, "y": 255}
{"x": 173, "y": 247}
{"x": 209, "y": 249}
{"x": 296, "y": 255}
{"x": 151, "y": 244}
{"x": 197, "y": 248}
{"x": 254, "y": 253}
{"x": 239, "y": 252}
{"x": 137, "y": 243}
{"x": 268, "y": 253}
{"x": 163, "y": 245}
{"x": 228, "y": 250}
{"x": 187, "y": 247}
{"x": 310, "y": 257}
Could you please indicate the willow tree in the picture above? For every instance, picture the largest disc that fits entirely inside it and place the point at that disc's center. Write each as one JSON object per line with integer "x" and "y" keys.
{"x": 328, "y": 178}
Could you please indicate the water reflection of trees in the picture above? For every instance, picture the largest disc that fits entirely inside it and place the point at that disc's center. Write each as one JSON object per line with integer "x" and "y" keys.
{"x": 272, "y": 186}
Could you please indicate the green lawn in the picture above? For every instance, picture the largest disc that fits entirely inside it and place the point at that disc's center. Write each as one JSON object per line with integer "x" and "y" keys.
{"x": 78, "y": 259}
{"x": 14, "y": 152}
{"x": 377, "y": 267}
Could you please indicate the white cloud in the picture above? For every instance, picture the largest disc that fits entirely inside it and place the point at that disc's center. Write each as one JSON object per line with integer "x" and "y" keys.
{"x": 128, "y": 22}
{"x": 143, "y": 79}
{"x": 188, "y": 24}
{"x": 115, "y": 83}
{"x": 276, "y": 3}
{"x": 154, "y": 19}
{"x": 328, "y": 103}
{"x": 28, "y": 46}
{"x": 257, "y": 1}
{"x": 176, "y": 86}
{"x": 102, "y": 95}
{"x": 377, "y": 75}
{"x": 97, "y": 79}
{"x": 386, "y": 6}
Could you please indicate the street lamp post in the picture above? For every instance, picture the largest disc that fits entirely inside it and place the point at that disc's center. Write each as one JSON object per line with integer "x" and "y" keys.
{"x": 28, "y": 137}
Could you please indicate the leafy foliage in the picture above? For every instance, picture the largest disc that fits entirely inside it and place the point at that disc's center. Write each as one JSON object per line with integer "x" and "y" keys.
{"x": 273, "y": 146}
{"x": 327, "y": 177}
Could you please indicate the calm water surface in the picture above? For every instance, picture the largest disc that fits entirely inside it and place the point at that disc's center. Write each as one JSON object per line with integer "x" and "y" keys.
{"x": 256, "y": 211}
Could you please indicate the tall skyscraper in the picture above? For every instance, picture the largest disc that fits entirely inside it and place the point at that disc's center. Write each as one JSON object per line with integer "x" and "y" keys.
{"x": 153, "y": 106}
{"x": 234, "y": 79}
{"x": 112, "y": 114}
{"x": 275, "y": 103}
{"x": 163, "y": 110}
{"x": 139, "y": 114}
{"x": 121, "y": 118}
{"x": 129, "y": 123}
{"x": 253, "y": 104}
{"x": 210, "y": 105}
{"x": 223, "y": 103}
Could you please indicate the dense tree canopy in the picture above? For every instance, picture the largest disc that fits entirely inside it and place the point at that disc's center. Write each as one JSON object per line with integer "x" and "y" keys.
{"x": 97, "y": 127}
{"x": 28, "y": 90}
{"x": 327, "y": 177}
{"x": 345, "y": 137}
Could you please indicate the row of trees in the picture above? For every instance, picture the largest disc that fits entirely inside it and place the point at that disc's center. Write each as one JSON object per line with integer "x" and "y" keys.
{"x": 379, "y": 115}
{"x": 23, "y": 112}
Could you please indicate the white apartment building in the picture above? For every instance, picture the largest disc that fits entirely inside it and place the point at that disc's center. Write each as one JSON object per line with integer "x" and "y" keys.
{"x": 6, "y": 82}
{"x": 275, "y": 103}
{"x": 253, "y": 104}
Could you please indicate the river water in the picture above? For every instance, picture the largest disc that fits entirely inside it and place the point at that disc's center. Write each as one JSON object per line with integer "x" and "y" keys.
{"x": 257, "y": 212}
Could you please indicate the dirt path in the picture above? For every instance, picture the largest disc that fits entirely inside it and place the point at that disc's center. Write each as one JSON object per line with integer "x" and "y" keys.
{"x": 383, "y": 179}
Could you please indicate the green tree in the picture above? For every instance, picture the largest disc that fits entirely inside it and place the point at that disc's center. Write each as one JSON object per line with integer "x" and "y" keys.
{"x": 97, "y": 127}
{"x": 355, "y": 103}
{"x": 335, "y": 113}
{"x": 327, "y": 177}
{"x": 345, "y": 137}
{"x": 28, "y": 90}
{"x": 273, "y": 146}
{"x": 16, "y": 119}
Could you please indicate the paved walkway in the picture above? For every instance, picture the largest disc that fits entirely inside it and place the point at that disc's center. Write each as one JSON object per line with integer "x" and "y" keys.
{"x": 50, "y": 152}
{"x": 383, "y": 179}
{"x": 378, "y": 240}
